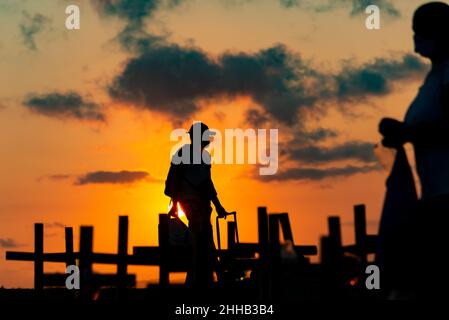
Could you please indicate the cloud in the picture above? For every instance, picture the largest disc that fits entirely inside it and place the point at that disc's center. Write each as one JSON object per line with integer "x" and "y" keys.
{"x": 57, "y": 225}
{"x": 357, "y": 6}
{"x": 31, "y": 26}
{"x": 69, "y": 105}
{"x": 377, "y": 77}
{"x": 175, "y": 80}
{"x": 316, "y": 174}
{"x": 133, "y": 11}
{"x": 305, "y": 137}
{"x": 352, "y": 150}
{"x": 308, "y": 160}
{"x": 54, "y": 177}
{"x": 111, "y": 177}
{"x": 8, "y": 243}
{"x": 58, "y": 177}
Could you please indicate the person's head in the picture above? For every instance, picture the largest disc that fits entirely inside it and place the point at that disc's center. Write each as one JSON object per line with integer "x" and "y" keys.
{"x": 200, "y": 130}
{"x": 431, "y": 30}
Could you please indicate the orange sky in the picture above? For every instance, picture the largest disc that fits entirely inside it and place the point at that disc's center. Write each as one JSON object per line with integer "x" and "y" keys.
{"x": 34, "y": 146}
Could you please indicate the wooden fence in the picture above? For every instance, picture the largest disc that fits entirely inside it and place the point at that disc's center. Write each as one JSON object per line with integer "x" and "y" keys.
{"x": 263, "y": 257}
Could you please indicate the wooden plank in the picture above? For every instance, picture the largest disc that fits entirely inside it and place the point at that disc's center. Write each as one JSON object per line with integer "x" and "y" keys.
{"x": 38, "y": 256}
{"x": 147, "y": 256}
{"x": 370, "y": 246}
{"x": 19, "y": 256}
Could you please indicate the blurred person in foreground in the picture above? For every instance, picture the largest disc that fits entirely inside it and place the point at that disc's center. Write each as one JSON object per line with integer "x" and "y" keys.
{"x": 422, "y": 242}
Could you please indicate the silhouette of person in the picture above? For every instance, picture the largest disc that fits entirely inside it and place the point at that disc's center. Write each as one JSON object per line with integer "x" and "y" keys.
{"x": 190, "y": 184}
{"x": 426, "y": 126}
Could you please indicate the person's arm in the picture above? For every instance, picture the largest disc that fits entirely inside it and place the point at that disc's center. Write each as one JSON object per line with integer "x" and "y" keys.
{"x": 432, "y": 132}
{"x": 435, "y": 133}
{"x": 396, "y": 133}
{"x": 171, "y": 187}
{"x": 221, "y": 212}
{"x": 218, "y": 207}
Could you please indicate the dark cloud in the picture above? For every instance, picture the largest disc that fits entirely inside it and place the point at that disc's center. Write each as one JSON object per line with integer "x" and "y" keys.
{"x": 316, "y": 174}
{"x": 134, "y": 12}
{"x": 387, "y": 6}
{"x": 353, "y": 150}
{"x": 64, "y": 106}
{"x": 174, "y": 80}
{"x": 31, "y": 26}
{"x": 306, "y": 137}
{"x": 377, "y": 77}
{"x": 58, "y": 176}
{"x": 309, "y": 160}
{"x": 257, "y": 118}
{"x": 357, "y": 6}
{"x": 169, "y": 79}
{"x": 8, "y": 243}
{"x": 111, "y": 177}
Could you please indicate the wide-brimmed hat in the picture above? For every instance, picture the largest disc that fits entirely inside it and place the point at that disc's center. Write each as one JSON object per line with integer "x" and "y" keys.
{"x": 202, "y": 128}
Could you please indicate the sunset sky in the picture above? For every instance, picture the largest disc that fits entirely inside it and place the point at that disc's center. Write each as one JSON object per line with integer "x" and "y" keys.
{"x": 86, "y": 115}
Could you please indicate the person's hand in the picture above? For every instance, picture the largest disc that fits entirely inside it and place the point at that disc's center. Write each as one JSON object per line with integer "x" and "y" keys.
{"x": 393, "y": 132}
{"x": 221, "y": 212}
{"x": 392, "y": 143}
{"x": 173, "y": 210}
{"x": 391, "y": 128}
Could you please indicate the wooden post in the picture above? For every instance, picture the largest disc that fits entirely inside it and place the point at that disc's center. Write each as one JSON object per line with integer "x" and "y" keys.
{"x": 164, "y": 248}
{"x": 264, "y": 279}
{"x": 38, "y": 256}
{"x": 231, "y": 235}
{"x": 274, "y": 256}
{"x": 335, "y": 231}
{"x": 324, "y": 250}
{"x": 360, "y": 231}
{"x": 122, "y": 268}
{"x": 262, "y": 218}
{"x": 273, "y": 225}
{"x": 69, "y": 246}
{"x": 334, "y": 242}
{"x": 287, "y": 233}
{"x": 85, "y": 259}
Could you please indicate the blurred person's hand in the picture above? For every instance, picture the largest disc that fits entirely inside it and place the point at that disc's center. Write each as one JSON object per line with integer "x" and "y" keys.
{"x": 221, "y": 212}
{"x": 393, "y": 132}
